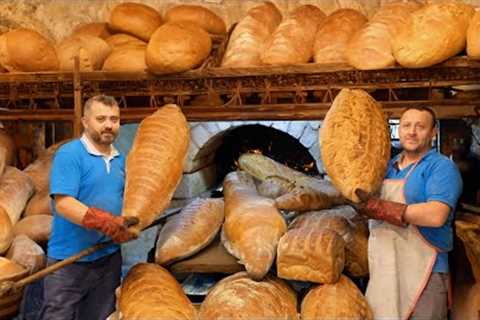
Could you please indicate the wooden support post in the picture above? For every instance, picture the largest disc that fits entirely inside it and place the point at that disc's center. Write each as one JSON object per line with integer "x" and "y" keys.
{"x": 77, "y": 99}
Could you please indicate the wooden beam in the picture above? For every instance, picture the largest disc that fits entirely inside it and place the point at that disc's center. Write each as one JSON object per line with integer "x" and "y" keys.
{"x": 77, "y": 99}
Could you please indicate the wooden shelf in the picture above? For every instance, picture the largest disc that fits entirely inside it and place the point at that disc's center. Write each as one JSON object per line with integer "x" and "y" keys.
{"x": 262, "y": 93}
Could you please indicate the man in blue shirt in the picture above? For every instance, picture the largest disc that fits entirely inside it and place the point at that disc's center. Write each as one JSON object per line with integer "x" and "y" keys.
{"x": 412, "y": 231}
{"x": 86, "y": 185}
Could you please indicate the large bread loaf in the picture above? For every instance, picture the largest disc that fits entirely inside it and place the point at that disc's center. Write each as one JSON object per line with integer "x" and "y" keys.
{"x": 155, "y": 164}
{"x": 341, "y": 300}
{"x": 27, "y": 253}
{"x": 371, "y": 47}
{"x": 248, "y": 39}
{"x": 120, "y": 40}
{"x": 432, "y": 34}
{"x": 355, "y": 143}
{"x": 304, "y": 198}
{"x": 333, "y": 34}
{"x": 292, "y": 41}
{"x": 202, "y": 16}
{"x": 6, "y": 231}
{"x": 189, "y": 231}
{"x": 91, "y": 51}
{"x": 177, "y": 47}
{"x": 136, "y": 19}
{"x": 151, "y": 292}
{"x": 15, "y": 189}
{"x": 40, "y": 203}
{"x": 36, "y": 227}
{"x": 93, "y": 29}
{"x": 311, "y": 254}
{"x": 253, "y": 225}
{"x": 27, "y": 50}
{"x": 10, "y": 149}
{"x": 473, "y": 37}
{"x": 238, "y": 297}
{"x": 126, "y": 59}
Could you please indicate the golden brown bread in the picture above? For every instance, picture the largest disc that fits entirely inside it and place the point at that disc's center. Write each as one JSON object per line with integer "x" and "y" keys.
{"x": 473, "y": 37}
{"x": 239, "y": 297}
{"x": 155, "y": 164}
{"x": 356, "y": 250}
{"x": 335, "y": 219}
{"x": 91, "y": 51}
{"x": 7, "y": 142}
{"x": 15, "y": 189}
{"x": 432, "y": 34}
{"x": 311, "y": 254}
{"x": 468, "y": 230}
{"x": 39, "y": 204}
{"x": 11, "y": 271}
{"x": 177, "y": 47}
{"x": 121, "y": 40}
{"x": 248, "y": 39}
{"x": 36, "y": 227}
{"x": 126, "y": 59}
{"x": 27, "y": 253}
{"x": 253, "y": 225}
{"x": 6, "y": 231}
{"x": 213, "y": 259}
{"x": 371, "y": 46}
{"x": 333, "y": 34}
{"x": 189, "y": 231}
{"x": 136, "y": 19}
{"x": 341, "y": 300}
{"x": 274, "y": 187}
{"x": 302, "y": 198}
{"x": 94, "y": 29}
{"x": 292, "y": 41}
{"x": 27, "y": 50}
{"x": 151, "y": 292}
{"x": 355, "y": 143}
{"x": 202, "y": 16}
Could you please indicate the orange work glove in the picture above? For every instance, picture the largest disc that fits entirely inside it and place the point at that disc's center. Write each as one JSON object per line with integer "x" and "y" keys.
{"x": 107, "y": 223}
{"x": 376, "y": 208}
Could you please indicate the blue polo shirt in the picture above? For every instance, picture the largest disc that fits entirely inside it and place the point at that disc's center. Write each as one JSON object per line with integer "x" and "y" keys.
{"x": 436, "y": 178}
{"x": 80, "y": 171}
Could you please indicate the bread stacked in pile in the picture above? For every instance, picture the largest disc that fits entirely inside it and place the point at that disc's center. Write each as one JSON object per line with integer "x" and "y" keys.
{"x": 25, "y": 217}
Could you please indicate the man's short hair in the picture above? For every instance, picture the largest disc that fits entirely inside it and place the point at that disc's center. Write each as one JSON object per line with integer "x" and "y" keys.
{"x": 108, "y": 101}
{"x": 422, "y": 108}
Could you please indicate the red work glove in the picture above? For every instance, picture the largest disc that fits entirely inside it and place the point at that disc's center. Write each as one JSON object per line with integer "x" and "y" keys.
{"x": 105, "y": 222}
{"x": 376, "y": 208}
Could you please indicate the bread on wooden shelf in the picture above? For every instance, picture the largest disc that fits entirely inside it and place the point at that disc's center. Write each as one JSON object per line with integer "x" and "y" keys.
{"x": 121, "y": 40}
{"x": 473, "y": 37}
{"x": 91, "y": 51}
{"x": 204, "y": 17}
{"x": 94, "y": 29}
{"x": 126, "y": 59}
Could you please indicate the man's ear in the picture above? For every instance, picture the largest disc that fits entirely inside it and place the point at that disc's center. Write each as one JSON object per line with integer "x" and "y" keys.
{"x": 84, "y": 122}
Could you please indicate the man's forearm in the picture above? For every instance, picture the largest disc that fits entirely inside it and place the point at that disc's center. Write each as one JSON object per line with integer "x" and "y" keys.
{"x": 70, "y": 208}
{"x": 427, "y": 214}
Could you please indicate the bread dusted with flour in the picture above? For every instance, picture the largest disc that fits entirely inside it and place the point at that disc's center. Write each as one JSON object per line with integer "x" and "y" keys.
{"x": 253, "y": 225}
{"x": 154, "y": 165}
{"x": 238, "y": 297}
{"x": 203, "y": 17}
{"x": 189, "y": 231}
{"x": 355, "y": 143}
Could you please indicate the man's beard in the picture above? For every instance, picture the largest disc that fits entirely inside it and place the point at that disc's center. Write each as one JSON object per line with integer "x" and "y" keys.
{"x": 100, "y": 138}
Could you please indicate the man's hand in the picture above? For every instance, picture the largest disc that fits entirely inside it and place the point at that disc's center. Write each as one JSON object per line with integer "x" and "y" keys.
{"x": 376, "y": 208}
{"x": 105, "y": 222}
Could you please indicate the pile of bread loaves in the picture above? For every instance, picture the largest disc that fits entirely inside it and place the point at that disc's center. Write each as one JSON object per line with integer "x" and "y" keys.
{"x": 136, "y": 38}
{"x": 404, "y": 32}
{"x": 25, "y": 217}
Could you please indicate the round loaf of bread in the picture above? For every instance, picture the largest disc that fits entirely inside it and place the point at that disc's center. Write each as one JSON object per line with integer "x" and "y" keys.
{"x": 94, "y": 29}
{"x": 28, "y": 51}
{"x": 433, "y": 34}
{"x": 127, "y": 59}
{"x": 27, "y": 253}
{"x": 11, "y": 271}
{"x": 39, "y": 204}
{"x": 136, "y": 19}
{"x": 36, "y": 227}
{"x": 177, "y": 47}
{"x": 355, "y": 143}
{"x": 202, "y": 16}
{"x": 124, "y": 40}
{"x": 92, "y": 52}
{"x": 473, "y": 37}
